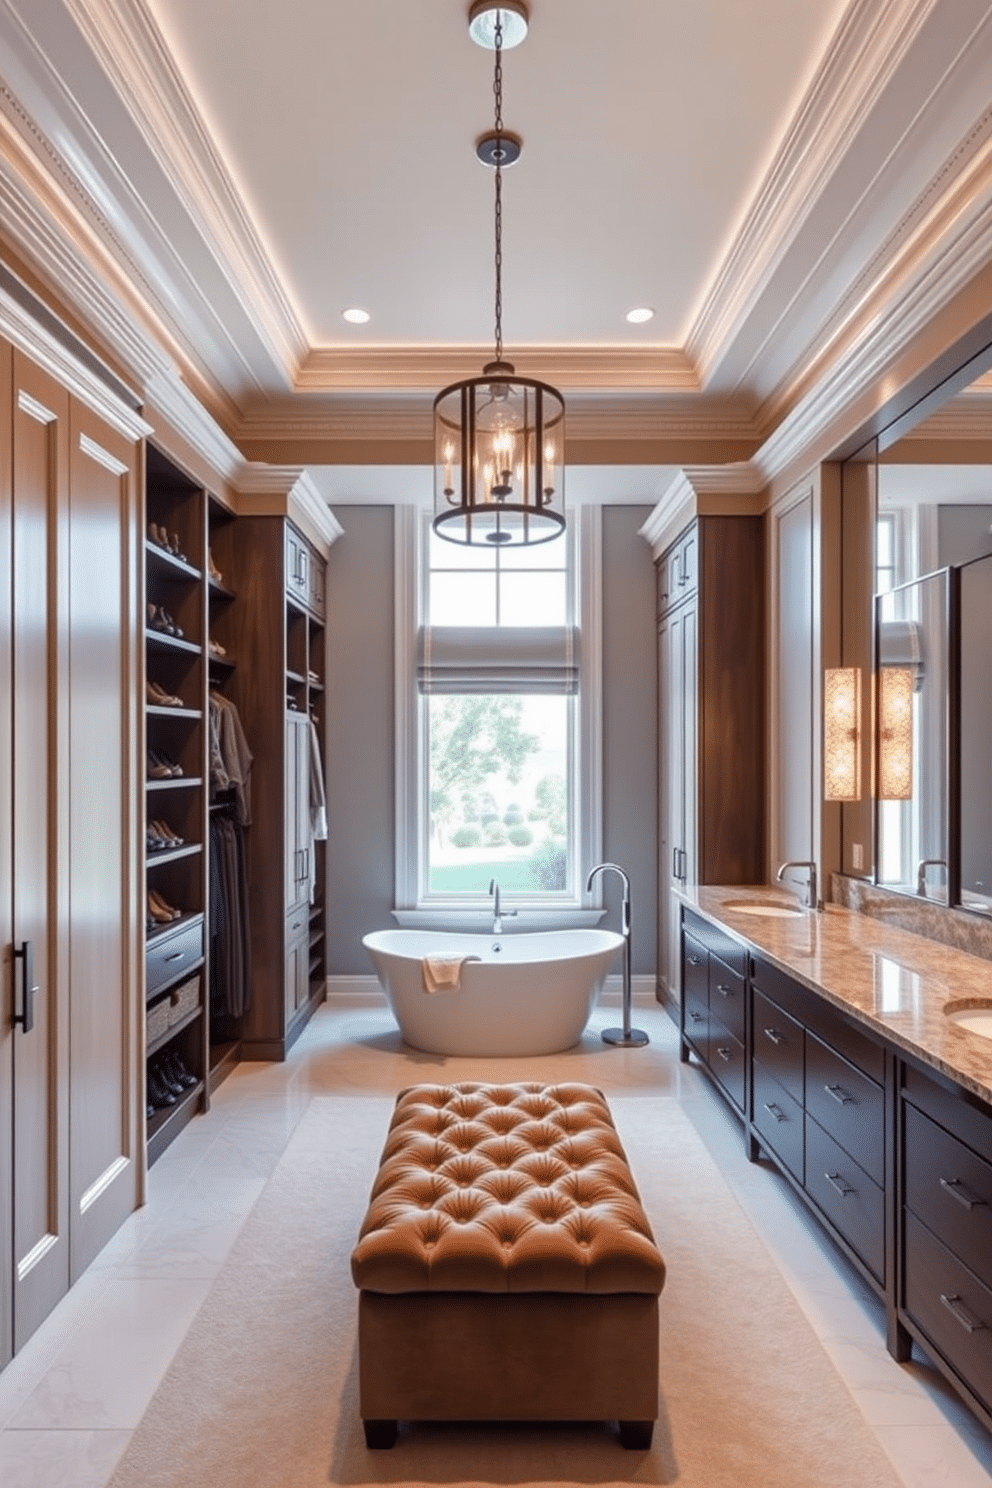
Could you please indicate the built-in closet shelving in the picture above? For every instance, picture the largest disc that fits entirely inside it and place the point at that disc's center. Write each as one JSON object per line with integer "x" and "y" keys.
{"x": 176, "y": 636}
{"x": 279, "y": 689}
{"x": 223, "y": 1033}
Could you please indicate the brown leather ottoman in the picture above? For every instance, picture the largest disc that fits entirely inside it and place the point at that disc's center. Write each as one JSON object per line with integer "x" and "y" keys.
{"x": 506, "y": 1267}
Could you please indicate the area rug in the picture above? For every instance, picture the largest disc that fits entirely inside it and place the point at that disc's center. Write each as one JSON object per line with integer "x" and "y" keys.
{"x": 264, "y": 1390}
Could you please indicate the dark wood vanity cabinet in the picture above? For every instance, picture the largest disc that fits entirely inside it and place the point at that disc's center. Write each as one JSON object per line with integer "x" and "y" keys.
{"x": 893, "y": 1157}
{"x": 946, "y": 1230}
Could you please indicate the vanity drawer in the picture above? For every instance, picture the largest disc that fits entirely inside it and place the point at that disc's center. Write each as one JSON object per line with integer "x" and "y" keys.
{"x": 853, "y": 1203}
{"x": 778, "y": 1118}
{"x": 778, "y": 1043}
{"x": 949, "y": 1188}
{"x": 951, "y": 1306}
{"x": 847, "y": 1105}
{"x": 695, "y": 1022}
{"x": 695, "y": 969}
{"x": 725, "y": 1057}
{"x": 171, "y": 955}
{"x": 727, "y": 991}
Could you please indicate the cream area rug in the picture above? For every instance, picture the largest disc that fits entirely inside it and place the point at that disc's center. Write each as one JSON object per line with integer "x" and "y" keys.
{"x": 264, "y": 1390}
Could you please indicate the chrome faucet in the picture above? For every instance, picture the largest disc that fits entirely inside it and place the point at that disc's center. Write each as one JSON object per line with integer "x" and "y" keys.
{"x": 497, "y": 915}
{"x": 812, "y": 897}
{"x": 921, "y": 873}
{"x": 633, "y": 1037}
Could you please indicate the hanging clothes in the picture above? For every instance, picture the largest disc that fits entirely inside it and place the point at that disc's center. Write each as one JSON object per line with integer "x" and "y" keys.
{"x": 230, "y": 757}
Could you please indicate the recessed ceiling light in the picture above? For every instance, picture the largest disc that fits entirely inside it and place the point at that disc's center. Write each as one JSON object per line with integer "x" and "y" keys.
{"x": 639, "y": 315}
{"x": 513, "y": 17}
{"x": 356, "y": 316}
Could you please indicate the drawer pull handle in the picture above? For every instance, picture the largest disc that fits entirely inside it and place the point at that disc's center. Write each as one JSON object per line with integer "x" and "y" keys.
{"x": 693, "y": 960}
{"x": 696, "y": 1017}
{"x": 957, "y": 1190}
{"x": 774, "y": 1036}
{"x": 776, "y": 1111}
{"x": 724, "y": 1053}
{"x": 724, "y": 990}
{"x": 969, "y": 1322}
{"x": 840, "y": 1095}
{"x": 176, "y": 956}
{"x": 838, "y": 1183}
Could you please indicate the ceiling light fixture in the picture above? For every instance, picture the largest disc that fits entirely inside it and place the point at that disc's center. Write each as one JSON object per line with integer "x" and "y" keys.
{"x": 640, "y": 314}
{"x": 355, "y": 316}
{"x": 499, "y": 439}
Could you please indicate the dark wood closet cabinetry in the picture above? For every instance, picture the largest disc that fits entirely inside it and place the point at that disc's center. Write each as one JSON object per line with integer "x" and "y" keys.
{"x": 710, "y": 717}
{"x": 279, "y": 691}
{"x": 176, "y": 793}
{"x": 70, "y": 1139}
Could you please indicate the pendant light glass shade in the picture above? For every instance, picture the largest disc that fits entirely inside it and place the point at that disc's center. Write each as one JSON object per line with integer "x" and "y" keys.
{"x": 499, "y": 460}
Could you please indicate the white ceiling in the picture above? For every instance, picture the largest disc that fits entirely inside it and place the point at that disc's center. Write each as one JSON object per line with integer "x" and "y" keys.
{"x": 215, "y": 181}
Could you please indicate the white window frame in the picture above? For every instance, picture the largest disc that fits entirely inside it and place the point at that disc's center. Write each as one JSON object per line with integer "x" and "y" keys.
{"x": 412, "y": 906}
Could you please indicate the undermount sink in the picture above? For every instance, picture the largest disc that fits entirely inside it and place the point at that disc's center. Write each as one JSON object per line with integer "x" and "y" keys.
{"x": 974, "y": 1019}
{"x": 775, "y": 909}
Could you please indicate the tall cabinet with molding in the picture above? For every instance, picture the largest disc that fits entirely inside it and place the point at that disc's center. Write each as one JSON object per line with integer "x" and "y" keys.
{"x": 280, "y": 543}
{"x": 711, "y": 712}
{"x": 71, "y": 1135}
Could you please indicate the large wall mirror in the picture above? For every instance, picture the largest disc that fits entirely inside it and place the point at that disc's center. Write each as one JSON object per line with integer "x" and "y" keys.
{"x": 920, "y": 623}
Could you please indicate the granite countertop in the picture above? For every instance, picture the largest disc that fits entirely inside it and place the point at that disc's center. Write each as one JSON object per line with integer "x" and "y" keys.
{"x": 895, "y": 982}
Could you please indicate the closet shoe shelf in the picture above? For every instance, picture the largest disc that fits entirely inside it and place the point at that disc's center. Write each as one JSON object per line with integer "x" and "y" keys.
{"x": 172, "y": 854}
{"x": 161, "y": 641}
{"x": 165, "y": 1124}
{"x": 178, "y": 782}
{"x": 169, "y": 564}
{"x": 152, "y": 710}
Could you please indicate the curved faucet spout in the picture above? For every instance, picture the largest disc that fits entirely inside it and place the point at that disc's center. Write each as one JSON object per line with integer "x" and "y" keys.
{"x": 497, "y": 913}
{"x": 625, "y": 1035}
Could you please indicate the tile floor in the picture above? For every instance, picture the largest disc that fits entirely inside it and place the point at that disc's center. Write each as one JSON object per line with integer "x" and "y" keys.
{"x": 71, "y": 1398}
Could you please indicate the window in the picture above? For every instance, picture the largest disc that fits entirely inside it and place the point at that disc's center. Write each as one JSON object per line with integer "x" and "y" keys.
{"x": 498, "y": 728}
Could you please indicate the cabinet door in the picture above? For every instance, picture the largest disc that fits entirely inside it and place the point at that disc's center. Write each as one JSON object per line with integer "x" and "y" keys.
{"x": 669, "y": 797}
{"x": 100, "y": 620}
{"x": 298, "y": 849}
{"x": 39, "y": 1058}
{"x": 687, "y": 806}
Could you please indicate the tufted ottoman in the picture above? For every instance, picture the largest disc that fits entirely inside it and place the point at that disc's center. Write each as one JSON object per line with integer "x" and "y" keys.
{"x": 507, "y": 1270}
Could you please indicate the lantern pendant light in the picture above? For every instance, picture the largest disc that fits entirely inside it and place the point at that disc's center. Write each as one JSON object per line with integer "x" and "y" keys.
{"x": 499, "y": 439}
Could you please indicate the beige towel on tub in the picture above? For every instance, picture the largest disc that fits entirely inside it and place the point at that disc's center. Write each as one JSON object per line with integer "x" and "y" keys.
{"x": 443, "y": 973}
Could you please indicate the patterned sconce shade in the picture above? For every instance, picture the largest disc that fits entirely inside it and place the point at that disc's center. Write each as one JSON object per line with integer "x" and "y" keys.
{"x": 842, "y": 734}
{"x": 895, "y": 733}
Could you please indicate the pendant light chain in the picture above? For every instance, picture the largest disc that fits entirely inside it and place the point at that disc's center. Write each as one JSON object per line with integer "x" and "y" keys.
{"x": 498, "y": 96}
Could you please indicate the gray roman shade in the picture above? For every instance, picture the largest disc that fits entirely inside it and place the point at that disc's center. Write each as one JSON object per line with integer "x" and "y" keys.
{"x": 484, "y": 659}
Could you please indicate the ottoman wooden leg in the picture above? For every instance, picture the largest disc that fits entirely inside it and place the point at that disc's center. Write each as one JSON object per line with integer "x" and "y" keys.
{"x": 380, "y": 1435}
{"x": 636, "y": 1435}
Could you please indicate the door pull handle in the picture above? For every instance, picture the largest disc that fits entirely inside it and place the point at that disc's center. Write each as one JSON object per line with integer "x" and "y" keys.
{"x": 776, "y": 1111}
{"x": 774, "y": 1036}
{"x": 957, "y": 1190}
{"x": 838, "y": 1183}
{"x": 29, "y": 987}
{"x": 840, "y": 1095}
{"x": 961, "y": 1314}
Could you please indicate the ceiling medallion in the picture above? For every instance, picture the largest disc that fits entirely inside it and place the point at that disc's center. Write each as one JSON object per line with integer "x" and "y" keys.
{"x": 499, "y": 439}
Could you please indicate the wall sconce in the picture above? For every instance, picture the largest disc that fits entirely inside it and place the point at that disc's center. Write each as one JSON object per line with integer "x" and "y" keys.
{"x": 895, "y": 732}
{"x": 842, "y": 734}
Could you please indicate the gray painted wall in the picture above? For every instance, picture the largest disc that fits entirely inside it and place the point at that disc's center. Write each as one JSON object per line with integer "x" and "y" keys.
{"x": 359, "y": 734}
{"x": 630, "y": 768}
{"x": 360, "y": 778}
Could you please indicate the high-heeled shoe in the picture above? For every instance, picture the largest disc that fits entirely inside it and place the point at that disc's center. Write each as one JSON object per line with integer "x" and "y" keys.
{"x": 159, "y": 698}
{"x": 165, "y": 832}
{"x": 161, "y": 767}
{"x": 161, "y": 912}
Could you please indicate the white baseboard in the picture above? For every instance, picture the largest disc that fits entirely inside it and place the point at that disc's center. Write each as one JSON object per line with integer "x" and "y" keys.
{"x": 355, "y": 991}
{"x": 365, "y": 991}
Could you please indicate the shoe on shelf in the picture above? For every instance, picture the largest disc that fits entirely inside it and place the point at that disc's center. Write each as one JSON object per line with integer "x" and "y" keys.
{"x": 158, "y": 1092}
{"x": 154, "y": 842}
{"x": 157, "y": 768}
{"x": 174, "y": 1066}
{"x": 177, "y": 548}
{"x": 213, "y": 570}
{"x": 216, "y": 649}
{"x": 162, "y": 1070}
{"x": 161, "y": 912}
{"x": 159, "y": 698}
{"x": 168, "y": 836}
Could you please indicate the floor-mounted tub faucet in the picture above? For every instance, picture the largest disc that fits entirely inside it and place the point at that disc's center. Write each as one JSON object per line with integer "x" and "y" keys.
{"x": 497, "y": 916}
{"x": 631, "y": 1037}
{"x": 812, "y": 897}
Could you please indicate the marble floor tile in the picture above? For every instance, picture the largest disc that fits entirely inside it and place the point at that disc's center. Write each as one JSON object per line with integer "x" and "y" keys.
{"x": 59, "y": 1459}
{"x": 109, "y": 1370}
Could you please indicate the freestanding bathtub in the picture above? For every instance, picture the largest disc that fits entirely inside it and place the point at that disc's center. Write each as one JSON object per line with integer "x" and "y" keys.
{"x": 527, "y": 994}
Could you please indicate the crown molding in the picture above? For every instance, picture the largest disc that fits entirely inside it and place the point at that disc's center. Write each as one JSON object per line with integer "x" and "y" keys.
{"x": 949, "y": 244}
{"x": 735, "y": 489}
{"x": 170, "y": 396}
{"x": 287, "y": 491}
{"x": 52, "y": 354}
{"x": 327, "y": 369}
{"x": 865, "y": 52}
{"x": 132, "y": 51}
